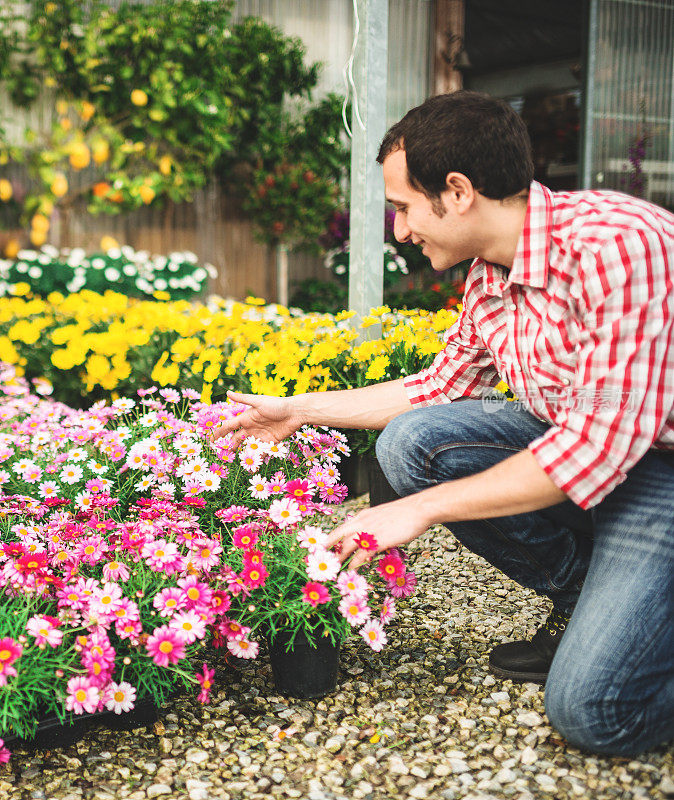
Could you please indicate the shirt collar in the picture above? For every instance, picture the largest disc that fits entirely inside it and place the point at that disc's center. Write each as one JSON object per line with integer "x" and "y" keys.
{"x": 530, "y": 265}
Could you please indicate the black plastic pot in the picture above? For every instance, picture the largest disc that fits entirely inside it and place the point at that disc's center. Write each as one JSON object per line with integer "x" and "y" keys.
{"x": 305, "y": 671}
{"x": 52, "y": 733}
{"x": 381, "y": 490}
{"x": 353, "y": 474}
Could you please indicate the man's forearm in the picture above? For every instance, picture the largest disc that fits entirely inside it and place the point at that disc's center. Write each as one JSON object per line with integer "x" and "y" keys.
{"x": 369, "y": 407}
{"x": 513, "y": 486}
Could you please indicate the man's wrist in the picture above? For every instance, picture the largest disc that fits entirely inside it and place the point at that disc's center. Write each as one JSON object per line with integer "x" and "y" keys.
{"x": 301, "y": 409}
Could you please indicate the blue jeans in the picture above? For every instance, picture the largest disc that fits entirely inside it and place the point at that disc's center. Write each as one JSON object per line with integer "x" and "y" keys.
{"x": 611, "y": 685}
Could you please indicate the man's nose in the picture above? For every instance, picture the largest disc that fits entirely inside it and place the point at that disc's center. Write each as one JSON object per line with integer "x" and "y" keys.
{"x": 400, "y": 228}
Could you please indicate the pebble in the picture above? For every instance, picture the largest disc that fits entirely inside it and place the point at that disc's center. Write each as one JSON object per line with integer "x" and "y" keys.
{"x": 158, "y": 789}
{"x": 424, "y": 719}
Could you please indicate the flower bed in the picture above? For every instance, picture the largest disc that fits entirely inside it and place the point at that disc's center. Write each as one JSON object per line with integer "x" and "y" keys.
{"x": 92, "y": 346}
{"x": 177, "y": 276}
{"x": 130, "y": 541}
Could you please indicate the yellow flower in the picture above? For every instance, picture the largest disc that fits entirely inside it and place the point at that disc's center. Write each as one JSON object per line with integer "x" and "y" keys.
{"x": 377, "y": 368}
{"x": 108, "y": 243}
{"x": 207, "y": 393}
{"x": 59, "y": 186}
{"x": 20, "y": 289}
{"x": 255, "y": 301}
{"x": 8, "y": 351}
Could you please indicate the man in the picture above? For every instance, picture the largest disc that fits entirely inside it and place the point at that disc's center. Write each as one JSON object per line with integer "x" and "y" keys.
{"x": 569, "y": 490}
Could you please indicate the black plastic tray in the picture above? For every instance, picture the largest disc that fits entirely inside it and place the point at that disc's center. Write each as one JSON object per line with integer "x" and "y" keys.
{"x": 52, "y": 733}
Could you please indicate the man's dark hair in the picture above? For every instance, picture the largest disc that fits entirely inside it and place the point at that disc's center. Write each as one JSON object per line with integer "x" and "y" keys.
{"x": 468, "y": 132}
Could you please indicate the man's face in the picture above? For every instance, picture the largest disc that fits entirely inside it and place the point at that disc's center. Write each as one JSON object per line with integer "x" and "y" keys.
{"x": 443, "y": 239}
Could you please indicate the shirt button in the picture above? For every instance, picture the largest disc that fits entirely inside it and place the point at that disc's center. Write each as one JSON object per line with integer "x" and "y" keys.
{"x": 512, "y": 307}
{"x": 566, "y": 381}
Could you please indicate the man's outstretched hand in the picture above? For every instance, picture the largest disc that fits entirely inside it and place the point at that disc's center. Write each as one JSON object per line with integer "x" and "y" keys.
{"x": 392, "y": 525}
{"x": 270, "y": 419}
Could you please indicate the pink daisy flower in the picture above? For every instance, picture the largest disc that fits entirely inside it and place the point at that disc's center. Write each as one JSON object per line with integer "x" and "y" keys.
{"x": 10, "y": 651}
{"x": 233, "y": 513}
{"x": 315, "y": 593}
{"x": 354, "y": 609}
{"x": 388, "y": 610}
{"x": 92, "y": 549}
{"x": 334, "y": 493}
{"x": 352, "y": 583}
{"x": 120, "y": 697}
{"x": 322, "y": 565}
{"x": 402, "y": 586}
{"x": 259, "y": 487}
{"x": 205, "y": 554}
{"x": 4, "y": 753}
{"x": 284, "y": 512}
{"x": 243, "y": 648}
{"x": 116, "y": 571}
{"x": 374, "y": 635}
{"x": 250, "y": 460}
{"x": 231, "y": 629}
{"x": 45, "y": 630}
{"x": 299, "y": 490}
{"x": 166, "y": 646}
{"x": 312, "y": 537}
{"x": 83, "y": 695}
{"x": 162, "y": 556}
{"x": 196, "y": 593}
{"x": 189, "y": 625}
{"x": 168, "y": 601}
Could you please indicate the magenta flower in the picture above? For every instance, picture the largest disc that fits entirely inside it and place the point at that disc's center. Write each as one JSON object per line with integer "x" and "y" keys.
{"x": 315, "y": 593}
{"x": 388, "y": 610}
{"x": 166, "y": 646}
{"x": 206, "y": 682}
{"x": 246, "y": 536}
{"x": 366, "y": 541}
{"x": 390, "y": 566}
{"x": 233, "y": 513}
{"x": 4, "y": 753}
{"x": 254, "y": 575}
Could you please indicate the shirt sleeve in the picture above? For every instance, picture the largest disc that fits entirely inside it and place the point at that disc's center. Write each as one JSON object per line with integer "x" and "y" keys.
{"x": 623, "y": 390}
{"x": 463, "y": 368}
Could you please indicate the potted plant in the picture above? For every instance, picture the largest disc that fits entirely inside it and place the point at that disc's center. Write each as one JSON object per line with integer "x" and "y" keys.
{"x": 129, "y": 540}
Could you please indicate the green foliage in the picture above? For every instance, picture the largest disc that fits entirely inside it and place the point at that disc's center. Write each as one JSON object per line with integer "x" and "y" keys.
{"x": 179, "y": 94}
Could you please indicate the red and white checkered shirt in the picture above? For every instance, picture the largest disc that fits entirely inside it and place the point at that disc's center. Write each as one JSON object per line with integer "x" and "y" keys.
{"x": 582, "y": 330}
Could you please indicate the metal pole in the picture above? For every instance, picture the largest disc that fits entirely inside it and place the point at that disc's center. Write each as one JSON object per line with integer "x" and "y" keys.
{"x": 366, "y": 256}
{"x": 589, "y": 92}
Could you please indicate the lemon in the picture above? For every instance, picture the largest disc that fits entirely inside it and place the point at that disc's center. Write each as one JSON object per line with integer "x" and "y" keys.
{"x": 12, "y": 248}
{"x": 38, "y": 238}
{"x": 108, "y": 243}
{"x": 147, "y": 194}
{"x": 80, "y": 156}
{"x": 59, "y": 186}
{"x": 5, "y": 190}
{"x": 139, "y": 97}
{"x": 39, "y": 223}
{"x": 100, "y": 151}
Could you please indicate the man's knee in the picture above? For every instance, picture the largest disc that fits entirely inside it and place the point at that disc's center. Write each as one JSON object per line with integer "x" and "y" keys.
{"x": 588, "y": 718}
{"x": 399, "y": 452}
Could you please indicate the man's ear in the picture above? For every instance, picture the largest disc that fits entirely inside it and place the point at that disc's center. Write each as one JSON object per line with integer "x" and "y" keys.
{"x": 459, "y": 193}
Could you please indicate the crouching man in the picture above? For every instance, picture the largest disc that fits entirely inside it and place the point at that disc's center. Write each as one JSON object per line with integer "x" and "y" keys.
{"x": 570, "y": 489}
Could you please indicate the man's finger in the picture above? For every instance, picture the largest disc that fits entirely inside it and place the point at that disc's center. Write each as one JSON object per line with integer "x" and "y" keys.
{"x": 227, "y": 427}
{"x": 359, "y": 559}
{"x": 240, "y": 397}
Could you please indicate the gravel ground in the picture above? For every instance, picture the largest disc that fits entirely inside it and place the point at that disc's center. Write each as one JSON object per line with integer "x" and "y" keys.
{"x": 423, "y": 719}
